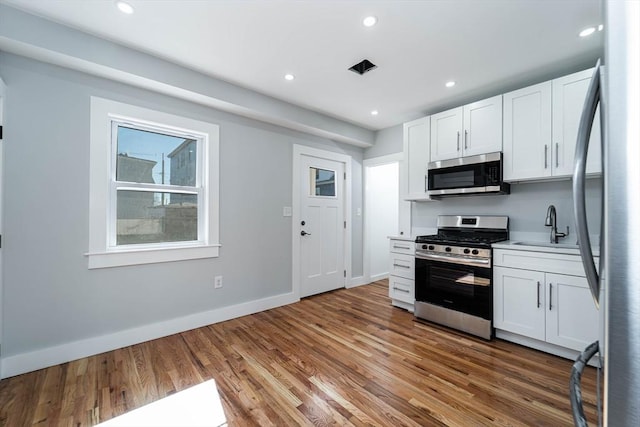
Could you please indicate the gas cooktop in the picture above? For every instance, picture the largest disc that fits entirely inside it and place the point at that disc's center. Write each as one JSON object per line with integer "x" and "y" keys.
{"x": 472, "y": 231}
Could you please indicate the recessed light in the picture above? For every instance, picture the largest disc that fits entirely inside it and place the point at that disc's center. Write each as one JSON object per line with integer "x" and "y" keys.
{"x": 374, "y": 113}
{"x": 289, "y": 77}
{"x": 124, "y": 7}
{"x": 600, "y": 27}
{"x": 450, "y": 84}
{"x": 587, "y": 32}
{"x": 369, "y": 21}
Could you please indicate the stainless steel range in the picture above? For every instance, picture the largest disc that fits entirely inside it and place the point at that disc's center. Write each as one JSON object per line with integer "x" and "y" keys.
{"x": 454, "y": 272}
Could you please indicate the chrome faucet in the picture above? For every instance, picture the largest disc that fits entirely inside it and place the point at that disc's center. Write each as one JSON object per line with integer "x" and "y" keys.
{"x": 550, "y": 221}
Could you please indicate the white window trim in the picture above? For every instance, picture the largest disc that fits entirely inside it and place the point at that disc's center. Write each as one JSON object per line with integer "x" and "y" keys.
{"x": 101, "y": 254}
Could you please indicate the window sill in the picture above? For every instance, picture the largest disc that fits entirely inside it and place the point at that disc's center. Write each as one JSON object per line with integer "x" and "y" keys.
{"x": 150, "y": 256}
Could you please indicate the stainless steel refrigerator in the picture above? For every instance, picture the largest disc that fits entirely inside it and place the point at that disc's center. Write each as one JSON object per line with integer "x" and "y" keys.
{"x": 616, "y": 285}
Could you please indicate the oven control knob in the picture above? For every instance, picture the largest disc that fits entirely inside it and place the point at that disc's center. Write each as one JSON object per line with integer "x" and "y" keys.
{"x": 475, "y": 252}
{"x": 431, "y": 247}
{"x": 466, "y": 251}
{"x": 448, "y": 249}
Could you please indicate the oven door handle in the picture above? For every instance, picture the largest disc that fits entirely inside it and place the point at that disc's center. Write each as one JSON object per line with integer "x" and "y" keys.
{"x": 473, "y": 262}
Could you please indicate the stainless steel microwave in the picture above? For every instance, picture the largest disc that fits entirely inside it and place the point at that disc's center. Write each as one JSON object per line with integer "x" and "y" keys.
{"x": 463, "y": 176}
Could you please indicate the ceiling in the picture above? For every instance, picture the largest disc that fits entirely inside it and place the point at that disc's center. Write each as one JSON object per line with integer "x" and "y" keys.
{"x": 486, "y": 46}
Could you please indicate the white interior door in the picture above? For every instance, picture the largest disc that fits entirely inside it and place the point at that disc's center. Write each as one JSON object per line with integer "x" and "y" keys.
{"x": 322, "y": 225}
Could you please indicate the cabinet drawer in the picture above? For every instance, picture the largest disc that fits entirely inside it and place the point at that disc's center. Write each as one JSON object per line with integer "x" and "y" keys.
{"x": 402, "y": 247}
{"x": 401, "y": 289}
{"x": 540, "y": 261}
{"x": 402, "y": 265}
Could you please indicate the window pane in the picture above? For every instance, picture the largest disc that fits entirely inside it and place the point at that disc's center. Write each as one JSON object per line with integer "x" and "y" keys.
{"x": 150, "y": 157}
{"x": 323, "y": 182}
{"x": 148, "y": 217}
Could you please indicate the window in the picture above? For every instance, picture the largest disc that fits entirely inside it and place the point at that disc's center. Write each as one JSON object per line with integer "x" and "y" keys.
{"x": 323, "y": 182}
{"x": 154, "y": 186}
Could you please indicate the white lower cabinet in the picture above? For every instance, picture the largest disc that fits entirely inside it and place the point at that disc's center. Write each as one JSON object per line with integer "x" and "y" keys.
{"x": 537, "y": 307}
{"x": 401, "y": 274}
{"x": 517, "y": 305}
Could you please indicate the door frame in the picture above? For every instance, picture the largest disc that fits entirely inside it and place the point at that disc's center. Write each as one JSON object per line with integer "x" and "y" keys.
{"x": 376, "y": 161}
{"x": 298, "y": 152}
{"x": 3, "y": 96}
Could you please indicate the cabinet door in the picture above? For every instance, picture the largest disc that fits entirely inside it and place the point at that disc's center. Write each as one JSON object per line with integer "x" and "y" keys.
{"x": 446, "y": 135}
{"x": 518, "y": 301}
{"x": 572, "y": 317}
{"x": 482, "y": 127}
{"x": 569, "y": 93}
{"x": 416, "y": 157}
{"x": 527, "y": 133}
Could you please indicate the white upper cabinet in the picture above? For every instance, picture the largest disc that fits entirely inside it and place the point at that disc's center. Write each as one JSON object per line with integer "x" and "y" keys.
{"x": 569, "y": 94}
{"x": 527, "y": 133}
{"x": 482, "y": 127}
{"x": 416, "y": 157}
{"x": 446, "y": 131}
{"x": 541, "y": 127}
{"x": 473, "y": 129}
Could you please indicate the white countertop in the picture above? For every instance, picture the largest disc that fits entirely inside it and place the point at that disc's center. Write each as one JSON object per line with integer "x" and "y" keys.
{"x": 542, "y": 246}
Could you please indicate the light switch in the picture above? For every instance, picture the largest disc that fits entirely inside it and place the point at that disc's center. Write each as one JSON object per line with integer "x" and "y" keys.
{"x": 359, "y": 212}
{"x": 286, "y": 211}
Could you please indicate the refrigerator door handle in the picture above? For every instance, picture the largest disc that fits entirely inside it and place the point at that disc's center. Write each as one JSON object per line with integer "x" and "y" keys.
{"x": 579, "y": 170}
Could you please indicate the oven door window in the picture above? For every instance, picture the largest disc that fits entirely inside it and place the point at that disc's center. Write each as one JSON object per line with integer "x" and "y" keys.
{"x": 454, "y": 286}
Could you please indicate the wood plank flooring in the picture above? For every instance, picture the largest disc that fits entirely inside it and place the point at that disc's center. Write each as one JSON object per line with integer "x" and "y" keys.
{"x": 342, "y": 358}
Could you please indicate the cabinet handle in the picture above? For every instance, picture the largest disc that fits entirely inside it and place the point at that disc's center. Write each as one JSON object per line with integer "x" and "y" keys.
{"x": 395, "y": 288}
{"x": 557, "y": 164}
{"x": 400, "y": 247}
{"x": 538, "y": 294}
{"x": 545, "y": 155}
{"x": 400, "y": 265}
{"x": 458, "y": 141}
{"x": 466, "y": 135}
{"x": 550, "y": 293}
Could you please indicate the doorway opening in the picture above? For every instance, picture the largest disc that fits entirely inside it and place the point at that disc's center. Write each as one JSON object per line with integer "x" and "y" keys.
{"x": 381, "y": 214}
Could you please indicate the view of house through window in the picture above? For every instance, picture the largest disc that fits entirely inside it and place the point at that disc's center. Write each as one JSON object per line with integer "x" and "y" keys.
{"x": 156, "y": 187}
{"x": 323, "y": 182}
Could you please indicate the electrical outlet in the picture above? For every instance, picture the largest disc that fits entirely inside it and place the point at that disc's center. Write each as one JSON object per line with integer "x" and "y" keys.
{"x": 217, "y": 282}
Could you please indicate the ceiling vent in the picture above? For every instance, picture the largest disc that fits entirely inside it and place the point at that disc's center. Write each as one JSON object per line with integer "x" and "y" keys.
{"x": 363, "y": 66}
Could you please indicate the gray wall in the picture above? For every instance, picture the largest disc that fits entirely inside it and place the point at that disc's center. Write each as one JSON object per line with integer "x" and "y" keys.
{"x": 387, "y": 141}
{"x": 50, "y": 297}
{"x": 526, "y": 207}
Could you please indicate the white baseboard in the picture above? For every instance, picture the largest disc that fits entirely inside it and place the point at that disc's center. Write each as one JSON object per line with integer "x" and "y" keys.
{"x": 365, "y": 280}
{"x": 43, "y": 358}
{"x": 377, "y": 277}
{"x": 567, "y": 353}
{"x": 357, "y": 281}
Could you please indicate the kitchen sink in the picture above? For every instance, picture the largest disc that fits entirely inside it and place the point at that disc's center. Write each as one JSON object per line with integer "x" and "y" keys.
{"x": 547, "y": 245}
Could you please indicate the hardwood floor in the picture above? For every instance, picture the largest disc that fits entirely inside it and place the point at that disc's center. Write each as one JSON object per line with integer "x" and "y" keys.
{"x": 342, "y": 358}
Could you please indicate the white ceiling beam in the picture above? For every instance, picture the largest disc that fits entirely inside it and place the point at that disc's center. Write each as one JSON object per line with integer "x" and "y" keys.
{"x": 34, "y": 37}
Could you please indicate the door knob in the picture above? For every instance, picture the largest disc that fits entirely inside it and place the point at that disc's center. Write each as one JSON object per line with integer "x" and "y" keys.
{"x": 304, "y": 233}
